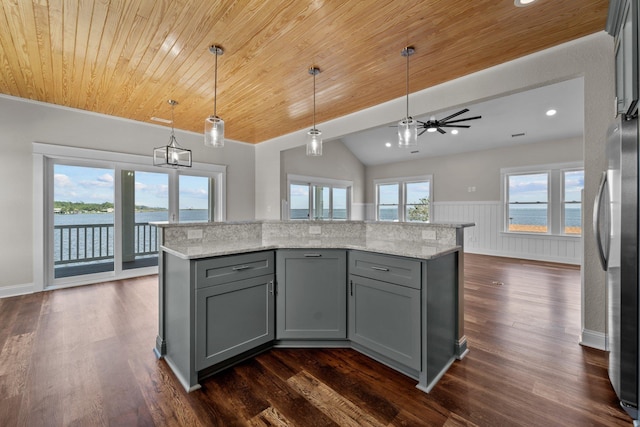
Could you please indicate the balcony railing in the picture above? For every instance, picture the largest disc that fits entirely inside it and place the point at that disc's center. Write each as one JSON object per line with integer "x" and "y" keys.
{"x": 84, "y": 243}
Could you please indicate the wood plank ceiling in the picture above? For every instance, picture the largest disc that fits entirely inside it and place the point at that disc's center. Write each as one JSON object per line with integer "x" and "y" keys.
{"x": 126, "y": 58}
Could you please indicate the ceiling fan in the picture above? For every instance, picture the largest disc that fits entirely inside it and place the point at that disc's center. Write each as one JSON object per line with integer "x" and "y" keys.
{"x": 433, "y": 125}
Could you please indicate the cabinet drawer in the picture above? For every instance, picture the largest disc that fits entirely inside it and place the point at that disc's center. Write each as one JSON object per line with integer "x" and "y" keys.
{"x": 220, "y": 270}
{"x": 401, "y": 271}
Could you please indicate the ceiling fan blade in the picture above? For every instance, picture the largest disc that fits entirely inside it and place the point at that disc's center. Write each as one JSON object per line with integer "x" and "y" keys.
{"x": 462, "y": 120}
{"x": 441, "y": 130}
{"x": 423, "y": 123}
{"x": 423, "y": 131}
{"x": 454, "y": 115}
{"x": 456, "y": 126}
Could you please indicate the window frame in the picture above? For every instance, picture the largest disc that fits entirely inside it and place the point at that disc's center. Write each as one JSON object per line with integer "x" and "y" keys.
{"x": 311, "y": 182}
{"x": 555, "y": 195}
{"x": 402, "y": 195}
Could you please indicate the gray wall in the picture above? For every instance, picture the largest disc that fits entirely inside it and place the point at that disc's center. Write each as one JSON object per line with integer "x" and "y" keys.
{"x": 454, "y": 174}
{"x": 23, "y": 122}
{"x": 336, "y": 162}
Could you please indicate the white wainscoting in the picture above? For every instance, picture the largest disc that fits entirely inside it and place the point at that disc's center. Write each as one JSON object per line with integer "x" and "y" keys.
{"x": 488, "y": 238}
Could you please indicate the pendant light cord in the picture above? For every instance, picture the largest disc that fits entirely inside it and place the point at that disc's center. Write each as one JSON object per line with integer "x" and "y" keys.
{"x": 407, "y": 83}
{"x": 314, "y": 99}
{"x": 215, "y": 87}
{"x": 173, "y": 105}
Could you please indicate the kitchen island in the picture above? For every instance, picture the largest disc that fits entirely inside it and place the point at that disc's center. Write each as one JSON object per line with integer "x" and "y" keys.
{"x": 229, "y": 291}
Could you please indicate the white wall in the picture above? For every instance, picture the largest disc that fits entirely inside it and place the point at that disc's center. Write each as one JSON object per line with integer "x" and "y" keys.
{"x": 336, "y": 162}
{"x": 590, "y": 57}
{"x": 23, "y": 122}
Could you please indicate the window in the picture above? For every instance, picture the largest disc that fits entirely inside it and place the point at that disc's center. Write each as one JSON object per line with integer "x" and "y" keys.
{"x": 404, "y": 199}
{"x": 528, "y": 201}
{"x": 196, "y": 198}
{"x": 319, "y": 198}
{"x": 572, "y": 184}
{"x": 544, "y": 201}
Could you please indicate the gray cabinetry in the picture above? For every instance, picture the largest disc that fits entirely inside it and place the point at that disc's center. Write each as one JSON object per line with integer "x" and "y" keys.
{"x": 234, "y": 306}
{"x": 232, "y": 318}
{"x": 384, "y": 306}
{"x": 311, "y": 294}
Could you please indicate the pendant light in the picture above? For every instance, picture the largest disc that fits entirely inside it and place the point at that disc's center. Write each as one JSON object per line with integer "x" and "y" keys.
{"x": 407, "y": 127}
{"x": 172, "y": 155}
{"x": 314, "y": 136}
{"x": 214, "y": 125}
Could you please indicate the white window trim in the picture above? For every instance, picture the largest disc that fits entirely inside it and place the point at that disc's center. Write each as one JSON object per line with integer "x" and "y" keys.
{"x": 320, "y": 181}
{"x": 555, "y": 195}
{"x": 44, "y": 158}
{"x": 402, "y": 197}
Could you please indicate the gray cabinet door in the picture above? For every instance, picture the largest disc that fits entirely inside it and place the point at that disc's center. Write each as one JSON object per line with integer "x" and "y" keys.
{"x": 233, "y": 318}
{"x": 311, "y": 301}
{"x": 385, "y": 318}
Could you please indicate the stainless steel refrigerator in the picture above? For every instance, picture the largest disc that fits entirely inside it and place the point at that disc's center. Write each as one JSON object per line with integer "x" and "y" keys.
{"x": 616, "y": 231}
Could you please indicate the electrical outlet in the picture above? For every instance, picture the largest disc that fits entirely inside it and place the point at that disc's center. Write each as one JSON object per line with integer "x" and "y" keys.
{"x": 315, "y": 229}
{"x": 429, "y": 234}
{"x": 194, "y": 234}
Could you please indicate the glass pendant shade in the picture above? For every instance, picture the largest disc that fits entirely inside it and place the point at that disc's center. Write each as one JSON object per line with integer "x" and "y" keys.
{"x": 214, "y": 132}
{"x": 407, "y": 133}
{"x": 172, "y": 155}
{"x": 214, "y": 125}
{"x": 314, "y": 142}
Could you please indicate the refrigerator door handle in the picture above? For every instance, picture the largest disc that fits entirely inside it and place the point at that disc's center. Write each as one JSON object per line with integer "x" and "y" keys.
{"x": 597, "y": 205}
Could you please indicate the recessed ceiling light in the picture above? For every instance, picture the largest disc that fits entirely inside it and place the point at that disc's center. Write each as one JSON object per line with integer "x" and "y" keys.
{"x": 523, "y": 3}
{"x": 388, "y": 144}
{"x": 551, "y": 112}
{"x": 454, "y": 132}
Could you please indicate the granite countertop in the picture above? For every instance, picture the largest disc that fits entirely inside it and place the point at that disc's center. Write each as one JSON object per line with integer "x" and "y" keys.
{"x": 420, "y": 250}
{"x": 163, "y": 224}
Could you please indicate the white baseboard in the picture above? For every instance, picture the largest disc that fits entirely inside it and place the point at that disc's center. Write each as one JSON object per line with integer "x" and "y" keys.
{"x": 593, "y": 339}
{"x": 15, "y": 290}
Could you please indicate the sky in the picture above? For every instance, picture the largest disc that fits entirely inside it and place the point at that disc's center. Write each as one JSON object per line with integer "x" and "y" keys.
{"x": 95, "y": 185}
{"x": 534, "y": 187}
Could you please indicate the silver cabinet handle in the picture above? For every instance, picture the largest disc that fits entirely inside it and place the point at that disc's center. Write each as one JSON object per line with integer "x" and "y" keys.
{"x": 379, "y": 268}
{"x": 271, "y": 287}
{"x": 312, "y": 255}
{"x": 241, "y": 267}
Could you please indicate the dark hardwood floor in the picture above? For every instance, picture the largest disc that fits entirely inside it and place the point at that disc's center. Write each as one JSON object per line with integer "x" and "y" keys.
{"x": 83, "y": 357}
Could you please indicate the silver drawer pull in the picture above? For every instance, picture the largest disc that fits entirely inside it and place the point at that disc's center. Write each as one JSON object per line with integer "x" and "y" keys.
{"x": 241, "y": 267}
{"x": 312, "y": 255}
{"x": 379, "y": 268}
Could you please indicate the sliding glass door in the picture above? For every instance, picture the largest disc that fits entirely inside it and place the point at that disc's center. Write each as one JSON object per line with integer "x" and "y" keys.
{"x": 144, "y": 200}
{"x": 83, "y": 220}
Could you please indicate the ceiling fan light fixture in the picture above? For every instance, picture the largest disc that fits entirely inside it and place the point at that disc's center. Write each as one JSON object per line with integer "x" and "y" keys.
{"x": 214, "y": 125}
{"x": 314, "y": 136}
{"x": 523, "y": 3}
{"x": 172, "y": 155}
{"x": 431, "y": 129}
{"x": 407, "y": 127}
